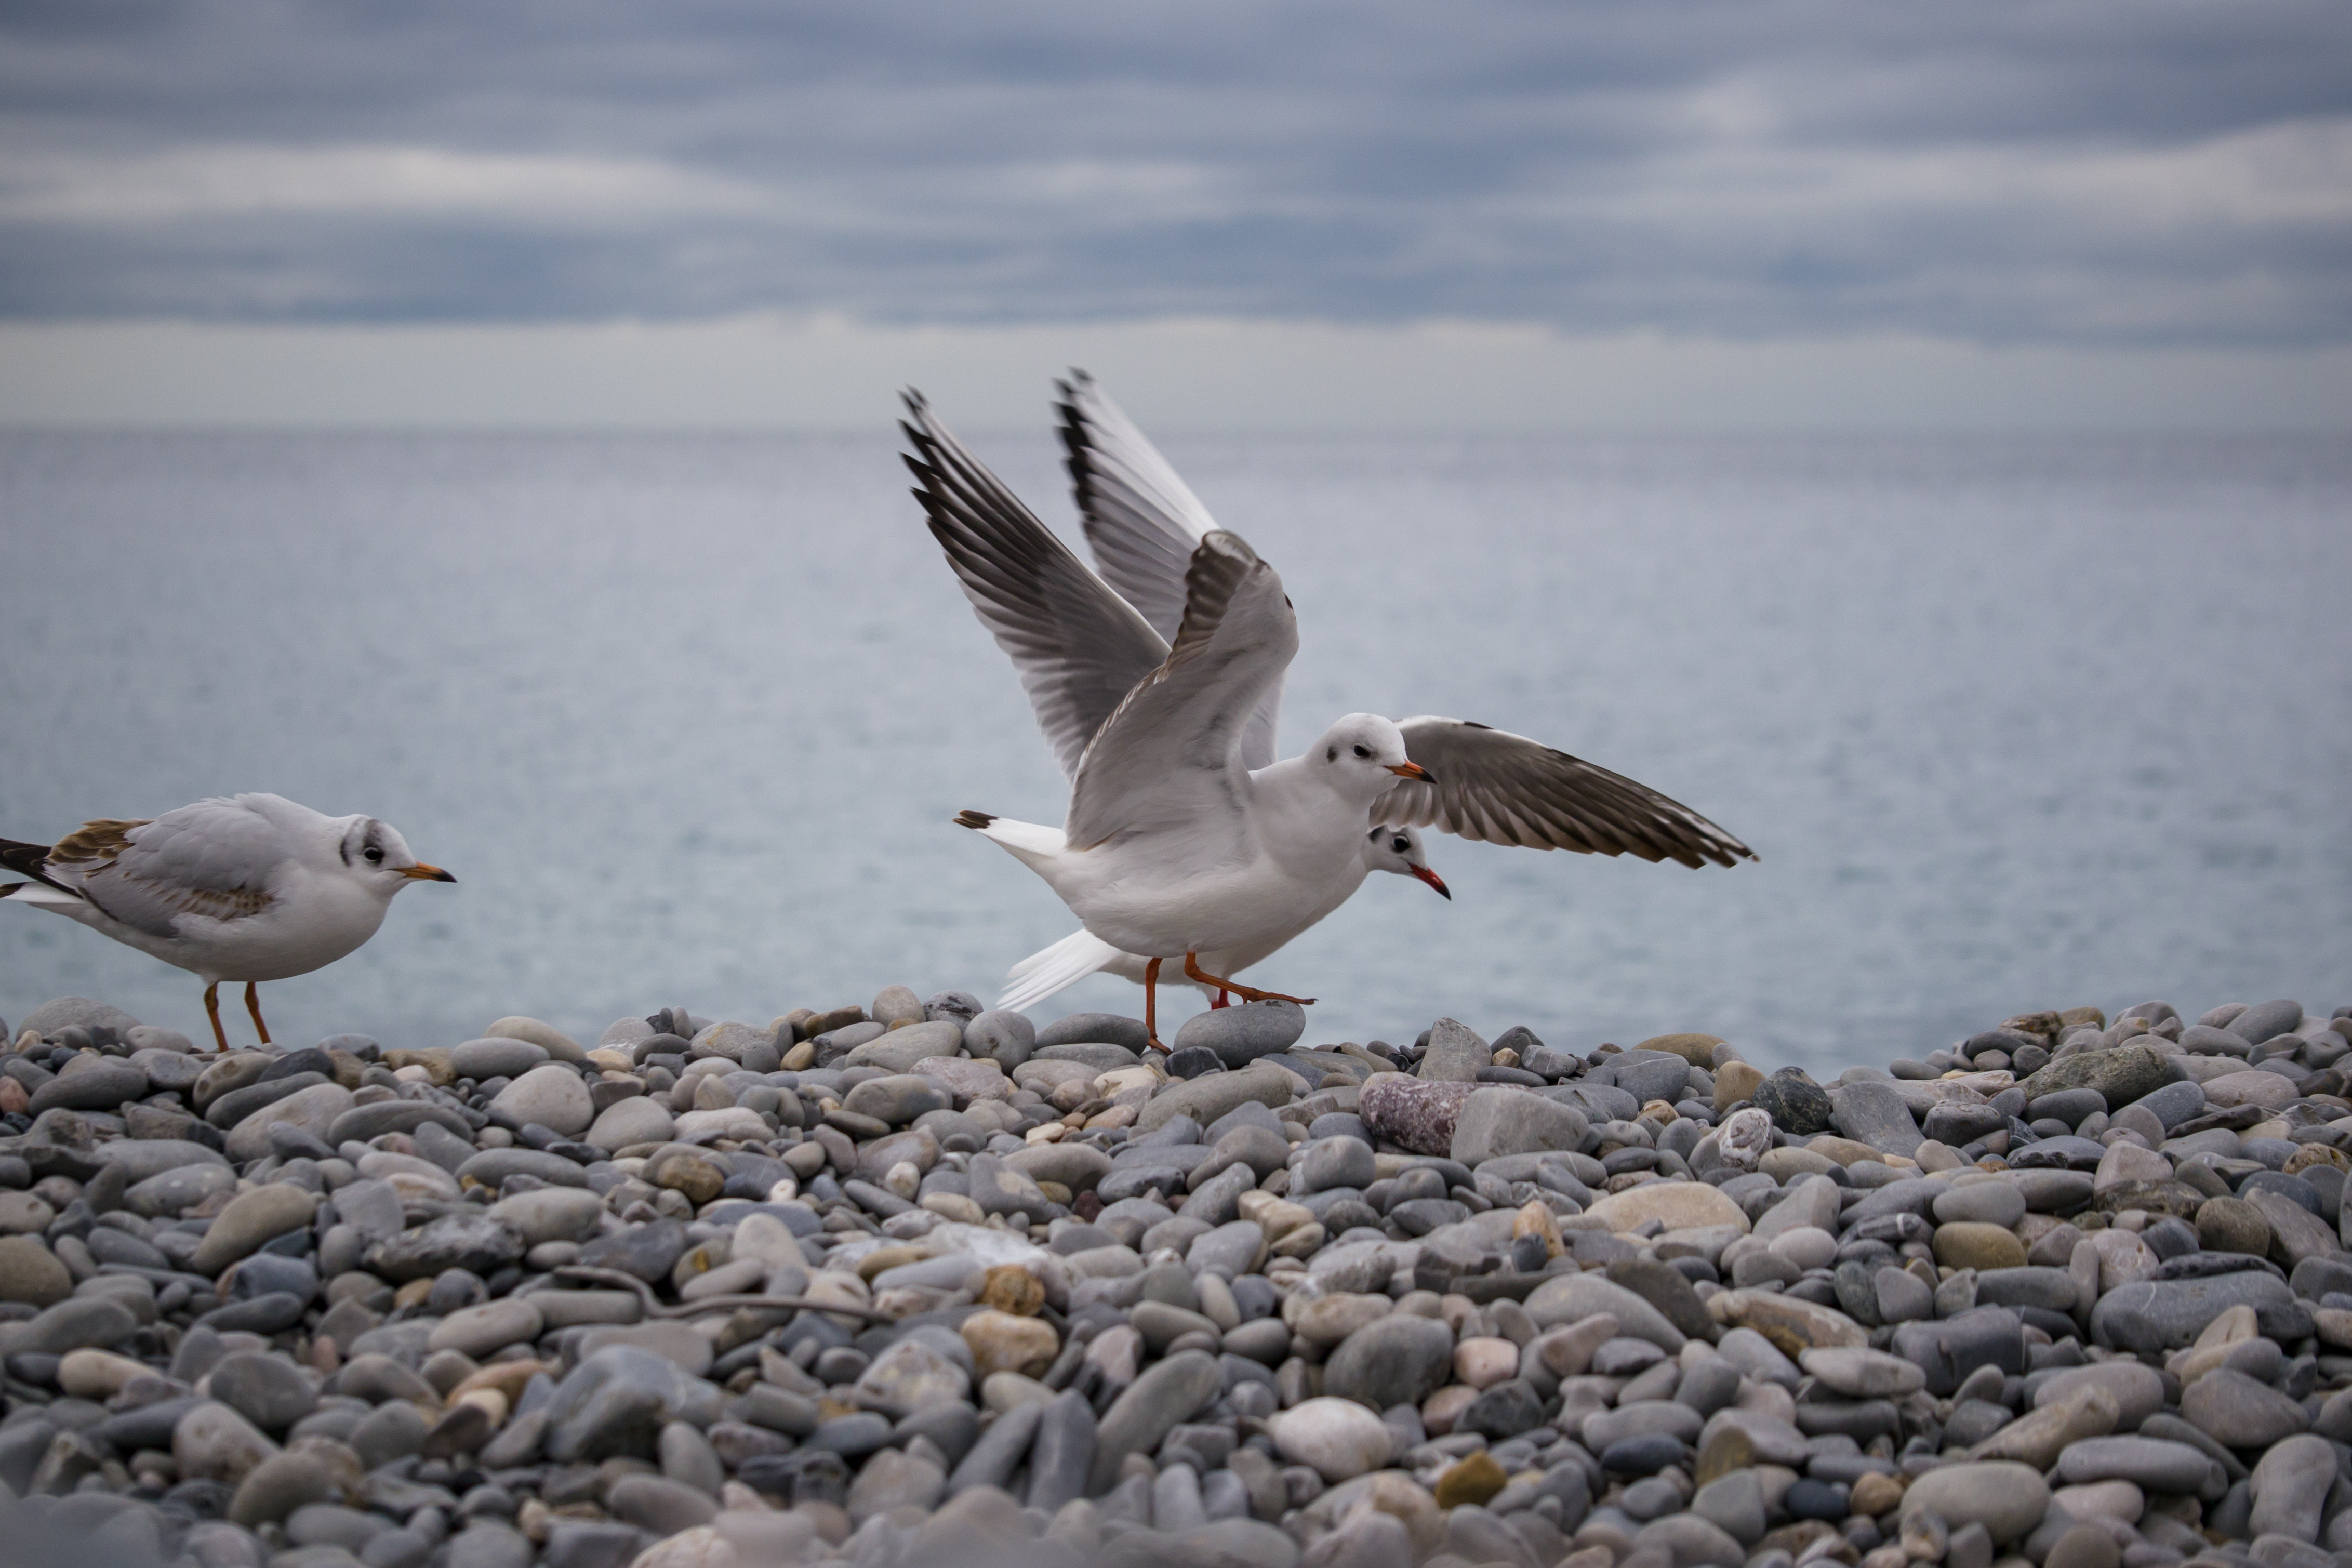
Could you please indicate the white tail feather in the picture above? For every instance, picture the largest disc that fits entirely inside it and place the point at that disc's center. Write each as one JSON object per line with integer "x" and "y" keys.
{"x": 42, "y": 897}
{"x": 1051, "y": 969}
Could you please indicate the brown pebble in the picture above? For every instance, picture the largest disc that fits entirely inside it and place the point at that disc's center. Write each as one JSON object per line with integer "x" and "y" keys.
{"x": 2085, "y": 1546}
{"x": 1009, "y": 1288}
{"x": 1471, "y": 1480}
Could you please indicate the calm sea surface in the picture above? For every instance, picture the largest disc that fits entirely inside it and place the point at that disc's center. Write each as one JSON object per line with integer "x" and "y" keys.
{"x": 2013, "y": 723}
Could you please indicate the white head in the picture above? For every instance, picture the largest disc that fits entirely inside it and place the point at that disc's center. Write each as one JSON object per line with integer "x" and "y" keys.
{"x": 1398, "y": 851}
{"x": 1363, "y": 755}
{"x": 379, "y": 859}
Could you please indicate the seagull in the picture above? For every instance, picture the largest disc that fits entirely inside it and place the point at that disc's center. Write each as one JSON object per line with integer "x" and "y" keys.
{"x": 1183, "y": 834}
{"x": 1396, "y": 850}
{"x": 249, "y": 887}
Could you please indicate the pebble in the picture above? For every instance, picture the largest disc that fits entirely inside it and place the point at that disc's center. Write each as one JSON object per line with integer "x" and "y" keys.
{"x": 1338, "y": 1438}
{"x": 1519, "y": 1313}
{"x": 1239, "y": 1035}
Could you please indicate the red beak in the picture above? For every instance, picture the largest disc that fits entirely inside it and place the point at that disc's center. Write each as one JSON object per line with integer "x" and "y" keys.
{"x": 1412, "y": 771}
{"x": 1424, "y": 874}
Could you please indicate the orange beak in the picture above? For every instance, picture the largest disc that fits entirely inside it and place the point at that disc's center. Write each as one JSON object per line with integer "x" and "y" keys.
{"x": 424, "y": 873}
{"x": 1412, "y": 771}
{"x": 1423, "y": 873}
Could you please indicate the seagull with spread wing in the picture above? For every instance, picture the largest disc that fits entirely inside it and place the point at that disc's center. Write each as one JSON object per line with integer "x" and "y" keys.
{"x": 251, "y": 888}
{"x": 1184, "y": 835}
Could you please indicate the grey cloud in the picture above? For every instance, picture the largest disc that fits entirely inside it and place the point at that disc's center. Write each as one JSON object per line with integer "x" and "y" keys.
{"x": 2112, "y": 171}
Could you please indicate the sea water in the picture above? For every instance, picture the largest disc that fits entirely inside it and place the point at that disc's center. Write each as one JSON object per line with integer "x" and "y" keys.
{"x": 2013, "y": 723}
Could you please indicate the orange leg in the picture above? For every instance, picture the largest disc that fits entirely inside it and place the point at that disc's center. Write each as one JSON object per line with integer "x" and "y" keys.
{"x": 1152, "y": 1004}
{"x": 253, "y": 1005}
{"x": 1192, "y": 971}
{"x": 211, "y": 1011}
{"x": 1220, "y": 1000}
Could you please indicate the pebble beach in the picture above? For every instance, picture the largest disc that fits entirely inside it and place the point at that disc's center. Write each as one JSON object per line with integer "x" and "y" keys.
{"x": 911, "y": 1281}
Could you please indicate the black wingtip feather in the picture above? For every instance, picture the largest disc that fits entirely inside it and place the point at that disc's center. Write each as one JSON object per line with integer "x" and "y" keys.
{"x": 28, "y": 860}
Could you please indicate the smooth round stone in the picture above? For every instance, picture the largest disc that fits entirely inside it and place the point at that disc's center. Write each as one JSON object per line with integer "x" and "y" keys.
{"x": 477, "y": 1331}
{"x": 2007, "y": 1499}
{"x": 2137, "y": 1389}
{"x": 1623, "y": 1357}
{"x": 1903, "y": 1296}
{"x": 2109, "y": 1500}
{"x": 1239, "y": 1035}
{"x": 2232, "y": 1225}
{"x": 31, "y": 1273}
{"x": 1008, "y": 1038}
{"x": 640, "y": 1118}
{"x": 1483, "y": 1362}
{"x": 2238, "y": 1412}
{"x": 267, "y": 1390}
{"x": 1970, "y": 1245}
{"x": 487, "y": 1058}
{"x": 1092, "y": 1028}
{"x": 2264, "y": 1020}
{"x": 250, "y": 1219}
{"x": 91, "y": 1083}
{"x": 1399, "y": 1360}
{"x": 2068, "y": 1105}
{"x": 1815, "y": 1500}
{"x": 485, "y": 1543}
{"x": 1806, "y": 1247}
{"x": 65, "y": 1012}
{"x": 2083, "y": 1546}
{"x": 1860, "y": 1373}
{"x": 553, "y": 1096}
{"x": 551, "y": 1213}
{"x": 1994, "y": 1203}
{"x": 1331, "y": 1163}
{"x": 1643, "y": 1455}
{"x": 277, "y": 1486}
{"x": 897, "y": 1098}
{"x": 1004, "y": 1343}
{"x": 896, "y": 1004}
{"x": 2155, "y": 1464}
{"x": 559, "y": 1046}
{"x": 1677, "y": 1205}
{"x": 1338, "y": 1438}
{"x": 213, "y": 1442}
{"x": 2291, "y": 1485}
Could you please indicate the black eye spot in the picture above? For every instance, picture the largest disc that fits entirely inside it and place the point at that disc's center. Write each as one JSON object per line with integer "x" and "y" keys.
{"x": 1363, "y": 750}
{"x": 1402, "y": 845}
{"x": 375, "y": 856}
{"x": 1332, "y": 755}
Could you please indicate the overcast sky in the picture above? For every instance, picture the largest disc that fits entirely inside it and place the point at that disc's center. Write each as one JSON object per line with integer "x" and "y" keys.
{"x": 2063, "y": 171}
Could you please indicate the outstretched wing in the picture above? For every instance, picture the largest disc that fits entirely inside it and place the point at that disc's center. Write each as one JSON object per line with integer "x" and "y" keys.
{"x": 214, "y": 859}
{"x": 1169, "y": 759}
{"x": 1506, "y": 789}
{"x": 1142, "y": 522}
{"x": 1079, "y": 646}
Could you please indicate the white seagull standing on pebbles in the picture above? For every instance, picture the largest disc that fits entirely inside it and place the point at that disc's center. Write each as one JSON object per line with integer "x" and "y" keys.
{"x": 251, "y": 888}
{"x": 1184, "y": 835}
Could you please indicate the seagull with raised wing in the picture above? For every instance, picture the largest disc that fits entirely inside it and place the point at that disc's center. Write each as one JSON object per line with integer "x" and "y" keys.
{"x": 249, "y": 887}
{"x": 1184, "y": 835}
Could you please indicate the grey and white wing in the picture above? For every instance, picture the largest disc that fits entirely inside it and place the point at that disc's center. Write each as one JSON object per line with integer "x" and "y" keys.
{"x": 215, "y": 858}
{"x": 1079, "y": 646}
{"x": 1142, "y": 522}
{"x": 1169, "y": 759}
{"x": 1503, "y": 788}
